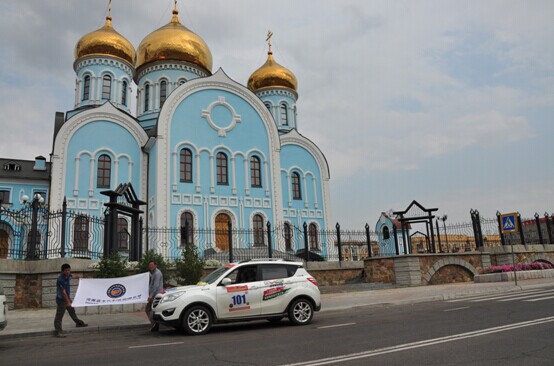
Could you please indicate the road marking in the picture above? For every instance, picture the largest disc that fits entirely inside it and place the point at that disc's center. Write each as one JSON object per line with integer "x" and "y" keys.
{"x": 527, "y": 296}
{"x": 425, "y": 343}
{"x": 465, "y": 307}
{"x": 157, "y": 345}
{"x": 541, "y": 299}
{"x": 477, "y": 298}
{"x": 336, "y": 325}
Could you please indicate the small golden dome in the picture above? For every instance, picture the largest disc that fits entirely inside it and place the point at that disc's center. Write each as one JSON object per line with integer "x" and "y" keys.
{"x": 271, "y": 75}
{"x": 105, "y": 42}
{"x": 174, "y": 42}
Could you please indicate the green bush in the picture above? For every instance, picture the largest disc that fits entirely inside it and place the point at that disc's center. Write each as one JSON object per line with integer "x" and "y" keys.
{"x": 112, "y": 267}
{"x": 188, "y": 270}
{"x": 151, "y": 256}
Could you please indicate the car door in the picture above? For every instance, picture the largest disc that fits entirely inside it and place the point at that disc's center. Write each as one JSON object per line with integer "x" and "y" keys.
{"x": 277, "y": 287}
{"x": 242, "y": 297}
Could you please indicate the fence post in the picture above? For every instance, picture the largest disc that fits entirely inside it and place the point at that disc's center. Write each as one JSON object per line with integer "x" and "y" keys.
{"x": 31, "y": 250}
{"x": 269, "y": 250}
{"x": 64, "y": 227}
{"x": 548, "y": 229}
{"x": 438, "y": 235}
{"x": 106, "y": 234}
{"x": 521, "y": 234}
{"x": 368, "y": 238}
{"x": 395, "y": 233}
{"x": 538, "y": 222}
{"x": 337, "y": 226}
{"x": 230, "y": 234}
{"x": 502, "y": 240}
{"x": 141, "y": 231}
{"x": 307, "y": 253}
{"x": 479, "y": 231}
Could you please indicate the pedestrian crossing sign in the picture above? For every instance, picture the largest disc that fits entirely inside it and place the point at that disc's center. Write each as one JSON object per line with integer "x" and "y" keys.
{"x": 508, "y": 223}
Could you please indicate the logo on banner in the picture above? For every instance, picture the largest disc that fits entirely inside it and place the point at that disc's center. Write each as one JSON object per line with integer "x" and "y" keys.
{"x": 115, "y": 291}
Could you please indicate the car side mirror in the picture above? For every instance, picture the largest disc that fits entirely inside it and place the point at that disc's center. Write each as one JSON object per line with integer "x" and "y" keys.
{"x": 226, "y": 281}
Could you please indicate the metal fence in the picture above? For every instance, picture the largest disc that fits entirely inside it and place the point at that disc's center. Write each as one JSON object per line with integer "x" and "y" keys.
{"x": 35, "y": 233}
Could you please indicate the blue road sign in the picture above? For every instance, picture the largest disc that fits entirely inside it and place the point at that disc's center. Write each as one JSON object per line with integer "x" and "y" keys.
{"x": 509, "y": 223}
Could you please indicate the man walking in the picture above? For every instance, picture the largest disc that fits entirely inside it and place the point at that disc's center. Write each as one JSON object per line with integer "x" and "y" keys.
{"x": 63, "y": 302}
{"x": 156, "y": 286}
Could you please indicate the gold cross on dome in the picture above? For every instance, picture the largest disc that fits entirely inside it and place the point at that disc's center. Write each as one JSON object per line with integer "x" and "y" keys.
{"x": 268, "y": 39}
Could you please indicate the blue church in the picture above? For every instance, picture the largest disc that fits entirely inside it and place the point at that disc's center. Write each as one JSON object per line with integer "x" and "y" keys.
{"x": 201, "y": 149}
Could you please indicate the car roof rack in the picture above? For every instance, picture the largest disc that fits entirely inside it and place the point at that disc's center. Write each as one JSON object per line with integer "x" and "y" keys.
{"x": 262, "y": 260}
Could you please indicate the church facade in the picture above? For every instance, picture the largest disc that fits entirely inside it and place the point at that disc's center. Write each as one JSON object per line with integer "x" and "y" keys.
{"x": 201, "y": 149}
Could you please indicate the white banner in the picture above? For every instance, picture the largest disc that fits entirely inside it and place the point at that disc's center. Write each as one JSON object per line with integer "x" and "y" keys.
{"x": 112, "y": 291}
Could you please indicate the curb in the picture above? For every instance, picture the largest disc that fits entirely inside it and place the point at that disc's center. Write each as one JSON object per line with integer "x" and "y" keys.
{"x": 89, "y": 329}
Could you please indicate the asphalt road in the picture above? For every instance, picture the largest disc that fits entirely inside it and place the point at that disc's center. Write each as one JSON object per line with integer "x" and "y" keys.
{"x": 508, "y": 329}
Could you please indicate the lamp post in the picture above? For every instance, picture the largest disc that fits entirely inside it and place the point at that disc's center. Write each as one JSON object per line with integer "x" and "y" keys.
{"x": 443, "y": 219}
{"x": 35, "y": 204}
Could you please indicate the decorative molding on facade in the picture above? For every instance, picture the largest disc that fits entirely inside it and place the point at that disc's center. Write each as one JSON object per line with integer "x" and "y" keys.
{"x": 162, "y": 65}
{"x": 104, "y": 60}
{"x": 207, "y": 114}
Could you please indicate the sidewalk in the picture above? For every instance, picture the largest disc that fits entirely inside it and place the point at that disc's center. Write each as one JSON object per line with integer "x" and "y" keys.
{"x": 22, "y": 323}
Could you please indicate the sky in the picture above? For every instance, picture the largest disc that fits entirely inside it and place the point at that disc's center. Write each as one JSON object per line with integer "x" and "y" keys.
{"x": 449, "y": 103}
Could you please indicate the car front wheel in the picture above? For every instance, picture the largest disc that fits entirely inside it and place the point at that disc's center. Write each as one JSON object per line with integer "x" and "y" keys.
{"x": 301, "y": 312}
{"x": 197, "y": 320}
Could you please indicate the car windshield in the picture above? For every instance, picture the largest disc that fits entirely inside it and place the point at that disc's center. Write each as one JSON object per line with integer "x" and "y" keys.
{"x": 212, "y": 277}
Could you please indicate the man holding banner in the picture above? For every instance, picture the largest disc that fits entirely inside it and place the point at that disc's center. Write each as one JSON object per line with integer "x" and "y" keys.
{"x": 156, "y": 285}
{"x": 63, "y": 301}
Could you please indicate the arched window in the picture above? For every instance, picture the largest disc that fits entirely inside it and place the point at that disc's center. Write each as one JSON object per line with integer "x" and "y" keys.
{"x": 296, "y": 191}
{"x": 187, "y": 228}
{"x": 386, "y": 233}
{"x": 80, "y": 235}
{"x": 106, "y": 87}
{"x": 288, "y": 237}
{"x": 86, "y": 88}
{"x": 284, "y": 115}
{"x": 122, "y": 234}
{"x": 258, "y": 226}
{"x": 163, "y": 92}
{"x": 146, "y": 97}
{"x": 186, "y": 165}
{"x": 104, "y": 171}
{"x": 181, "y": 81}
{"x": 255, "y": 172}
{"x": 124, "y": 93}
{"x": 312, "y": 237}
{"x": 222, "y": 177}
{"x": 268, "y": 106}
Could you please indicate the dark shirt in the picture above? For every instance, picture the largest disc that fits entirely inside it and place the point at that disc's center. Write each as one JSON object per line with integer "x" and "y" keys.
{"x": 62, "y": 283}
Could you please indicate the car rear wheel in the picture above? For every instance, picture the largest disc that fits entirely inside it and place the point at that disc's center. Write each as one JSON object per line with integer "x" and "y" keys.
{"x": 197, "y": 320}
{"x": 301, "y": 312}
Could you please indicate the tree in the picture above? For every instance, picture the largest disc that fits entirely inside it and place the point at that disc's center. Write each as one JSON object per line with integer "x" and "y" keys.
{"x": 112, "y": 267}
{"x": 188, "y": 271}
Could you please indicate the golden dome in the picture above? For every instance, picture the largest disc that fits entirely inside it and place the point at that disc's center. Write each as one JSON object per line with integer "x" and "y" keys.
{"x": 175, "y": 42}
{"x": 271, "y": 75}
{"x": 105, "y": 42}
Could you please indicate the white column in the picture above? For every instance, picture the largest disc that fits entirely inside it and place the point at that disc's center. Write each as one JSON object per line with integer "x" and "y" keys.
{"x": 130, "y": 165}
{"x": 197, "y": 173}
{"x": 266, "y": 177}
{"x": 212, "y": 187}
{"x": 116, "y": 173}
{"x": 175, "y": 164}
{"x": 76, "y": 183}
{"x": 305, "y": 190}
{"x": 234, "y": 187}
{"x": 246, "y": 180}
{"x": 289, "y": 190}
{"x": 315, "y": 192}
{"x": 91, "y": 178}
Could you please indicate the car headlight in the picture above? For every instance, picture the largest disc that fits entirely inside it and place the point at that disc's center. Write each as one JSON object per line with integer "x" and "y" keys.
{"x": 171, "y": 296}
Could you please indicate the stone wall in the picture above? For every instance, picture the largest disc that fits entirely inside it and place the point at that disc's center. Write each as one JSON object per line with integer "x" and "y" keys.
{"x": 336, "y": 273}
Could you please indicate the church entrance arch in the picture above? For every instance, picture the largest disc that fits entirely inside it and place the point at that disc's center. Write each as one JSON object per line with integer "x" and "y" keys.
{"x": 222, "y": 225}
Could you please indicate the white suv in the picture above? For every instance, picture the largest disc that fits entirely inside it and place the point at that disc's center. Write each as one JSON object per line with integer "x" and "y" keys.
{"x": 255, "y": 289}
{"x": 3, "y": 309}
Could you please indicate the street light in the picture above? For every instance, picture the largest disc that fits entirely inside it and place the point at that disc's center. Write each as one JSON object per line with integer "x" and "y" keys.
{"x": 443, "y": 219}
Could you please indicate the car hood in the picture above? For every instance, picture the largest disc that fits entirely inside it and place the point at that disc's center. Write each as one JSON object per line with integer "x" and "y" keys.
{"x": 183, "y": 288}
